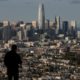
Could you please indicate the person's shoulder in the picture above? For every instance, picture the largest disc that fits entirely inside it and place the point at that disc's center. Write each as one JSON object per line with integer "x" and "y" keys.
{"x": 7, "y": 53}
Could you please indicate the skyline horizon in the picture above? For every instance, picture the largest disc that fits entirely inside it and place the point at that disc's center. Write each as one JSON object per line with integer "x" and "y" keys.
{"x": 27, "y": 10}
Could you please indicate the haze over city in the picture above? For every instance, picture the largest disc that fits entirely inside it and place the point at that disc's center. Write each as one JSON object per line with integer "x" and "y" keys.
{"x": 27, "y": 10}
{"x": 39, "y": 40}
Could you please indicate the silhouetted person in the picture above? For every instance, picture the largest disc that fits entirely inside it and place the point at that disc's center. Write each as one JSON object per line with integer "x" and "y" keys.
{"x": 12, "y": 61}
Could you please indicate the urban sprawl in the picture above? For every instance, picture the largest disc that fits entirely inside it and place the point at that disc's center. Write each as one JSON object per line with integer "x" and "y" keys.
{"x": 50, "y": 50}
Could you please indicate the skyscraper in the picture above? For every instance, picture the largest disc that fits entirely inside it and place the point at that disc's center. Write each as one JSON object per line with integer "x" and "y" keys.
{"x": 73, "y": 28}
{"x": 73, "y": 24}
{"x": 7, "y": 33}
{"x": 65, "y": 25}
{"x": 57, "y": 21}
{"x": 41, "y": 17}
{"x": 47, "y": 24}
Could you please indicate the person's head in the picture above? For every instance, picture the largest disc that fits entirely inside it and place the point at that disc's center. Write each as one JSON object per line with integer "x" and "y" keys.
{"x": 14, "y": 47}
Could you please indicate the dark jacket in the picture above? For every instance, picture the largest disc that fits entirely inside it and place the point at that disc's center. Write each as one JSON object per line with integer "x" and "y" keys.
{"x": 12, "y": 60}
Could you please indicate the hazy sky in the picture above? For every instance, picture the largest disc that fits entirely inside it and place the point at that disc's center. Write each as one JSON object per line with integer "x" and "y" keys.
{"x": 27, "y": 10}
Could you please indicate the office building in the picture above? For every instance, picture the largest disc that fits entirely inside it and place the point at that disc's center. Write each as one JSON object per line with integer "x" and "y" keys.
{"x": 78, "y": 34}
{"x": 23, "y": 31}
{"x": 41, "y": 17}
{"x": 73, "y": 24}
{"x": 57, "y": 21}
{"x": 73, "y": 28}
{"x": 65, "y": 26}
{"x": 34, "y": 24}
{"x": 46, "y": 24}
{"x": 51, "y": 24}
{"x": 7, "y": 33}
{"x": 19, "y": 35}
{"x": 6, "y": 23}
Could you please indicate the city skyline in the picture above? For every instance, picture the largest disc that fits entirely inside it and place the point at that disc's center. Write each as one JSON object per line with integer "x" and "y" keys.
{"x": 27, "y": 10}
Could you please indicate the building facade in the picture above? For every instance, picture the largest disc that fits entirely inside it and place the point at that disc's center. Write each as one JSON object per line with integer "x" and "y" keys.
{"x": 41, "y": 17}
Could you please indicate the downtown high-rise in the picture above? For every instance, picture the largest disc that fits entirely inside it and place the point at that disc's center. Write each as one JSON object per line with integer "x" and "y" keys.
{"x": 57, "y": 21}
{"x": 41, "y": 17}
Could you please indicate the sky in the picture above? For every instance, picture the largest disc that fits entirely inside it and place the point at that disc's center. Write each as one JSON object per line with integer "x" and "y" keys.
{"x": 27, "y": 10}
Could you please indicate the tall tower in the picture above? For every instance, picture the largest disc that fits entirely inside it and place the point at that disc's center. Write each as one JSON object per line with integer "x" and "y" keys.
{"x": 41, "y": 17}
{"x": 73, "y": 24}
{"x": 73, "y": 28}
{"x": 65, "y": 26}
{"x": 57, "y": 21}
